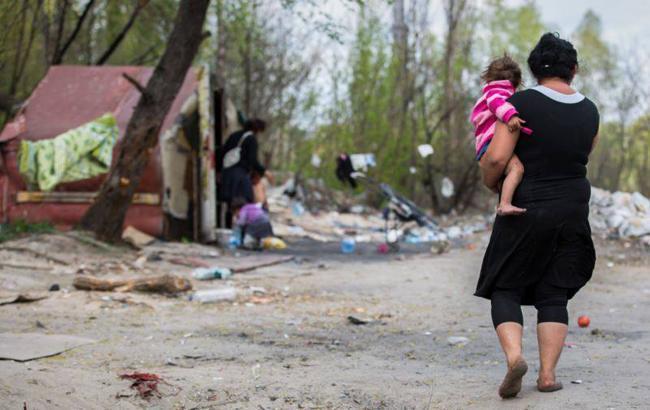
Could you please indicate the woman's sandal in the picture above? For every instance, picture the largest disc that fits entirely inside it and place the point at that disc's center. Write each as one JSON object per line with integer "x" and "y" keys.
{"x": 511, "y": 384}
{"x": 550, "y": 389}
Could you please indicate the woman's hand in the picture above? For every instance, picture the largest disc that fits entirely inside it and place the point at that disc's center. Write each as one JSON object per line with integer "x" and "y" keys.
{"x": 498, "y": 154}
{"x": 270, "y": 177}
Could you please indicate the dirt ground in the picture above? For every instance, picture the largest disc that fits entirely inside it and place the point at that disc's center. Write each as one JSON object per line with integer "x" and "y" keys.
{"x": 291, "y": 345}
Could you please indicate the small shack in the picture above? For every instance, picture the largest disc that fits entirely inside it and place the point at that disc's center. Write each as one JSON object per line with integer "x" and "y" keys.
{"x": 177, "y": 196}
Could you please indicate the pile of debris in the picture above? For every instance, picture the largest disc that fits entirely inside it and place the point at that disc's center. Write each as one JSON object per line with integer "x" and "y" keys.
{"x": 293, "y": 216}
{"x": 620, "y": 214}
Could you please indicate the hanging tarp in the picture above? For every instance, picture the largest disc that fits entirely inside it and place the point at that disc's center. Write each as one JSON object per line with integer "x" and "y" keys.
{"x": 77, "y": 154}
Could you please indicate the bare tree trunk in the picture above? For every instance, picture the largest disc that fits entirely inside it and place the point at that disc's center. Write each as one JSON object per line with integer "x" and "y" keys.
{"x": 247, "y": 73}
{"x": 106, "y": 216}
{"x": 63, "y": 12}
{"x": 221, "y": 46}
{"x": 118, "y": 39}
{"x": 58, "y": 57}
{"x": 453, "y": 13}
{"x": 7, "y": 102}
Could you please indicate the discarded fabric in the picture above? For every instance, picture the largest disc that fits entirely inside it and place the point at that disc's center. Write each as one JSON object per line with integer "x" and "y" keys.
{"x": 425, "y": 150}
{"x": 78, "y": 154}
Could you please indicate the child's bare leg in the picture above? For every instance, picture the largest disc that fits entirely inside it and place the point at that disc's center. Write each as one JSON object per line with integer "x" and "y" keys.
{"x": 514, "y": 173}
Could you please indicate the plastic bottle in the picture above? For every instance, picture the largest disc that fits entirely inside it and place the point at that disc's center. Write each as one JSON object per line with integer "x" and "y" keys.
{"x": 234, "y": 241}
{"x": 297, "y": 209}
{"x": 214, "y": 295}
{"x": 348, "y": 244}
{"x": 214, "y": 272}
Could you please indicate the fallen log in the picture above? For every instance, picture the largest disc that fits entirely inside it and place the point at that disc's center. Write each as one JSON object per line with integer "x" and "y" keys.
{"x": 152, "y": 284}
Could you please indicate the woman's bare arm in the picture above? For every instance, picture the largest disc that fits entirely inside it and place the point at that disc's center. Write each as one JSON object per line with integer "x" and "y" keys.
{"x": 498, "y": 154}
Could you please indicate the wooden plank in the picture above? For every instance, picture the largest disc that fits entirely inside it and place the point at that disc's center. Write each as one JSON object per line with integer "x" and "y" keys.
{"x": 78, "y": 197}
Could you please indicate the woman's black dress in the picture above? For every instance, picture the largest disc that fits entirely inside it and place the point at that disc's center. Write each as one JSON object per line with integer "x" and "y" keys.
{"x": 236, "y": 180}
{"x": 552, "y": 240}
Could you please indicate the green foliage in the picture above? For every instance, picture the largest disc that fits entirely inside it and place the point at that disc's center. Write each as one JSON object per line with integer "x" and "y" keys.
{"x": 597, "y": 59}
{"x": 33, "y": 31}
{"x": 513, "y": 30}
{"x": 19, "y": 228}
{"x": 390, "y": 94}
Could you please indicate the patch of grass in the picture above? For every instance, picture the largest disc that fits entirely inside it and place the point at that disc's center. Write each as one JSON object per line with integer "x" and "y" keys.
{"x": 21, "y": 227}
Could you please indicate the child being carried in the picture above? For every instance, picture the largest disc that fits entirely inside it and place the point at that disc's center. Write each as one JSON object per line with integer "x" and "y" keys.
{"x": 502, "y": 77}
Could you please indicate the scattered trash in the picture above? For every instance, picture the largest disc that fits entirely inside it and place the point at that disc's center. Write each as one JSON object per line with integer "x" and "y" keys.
{"x": 55, "y": 287}
{"x": 234, "y": 241}
{"x": 413, "y": 170}
{"x": 361, "y": 162}
{"x": 155, "y": 284}
{"x": 256, "y": 370}
{"x": 576, "y": 381}
{"x": 214, "y": 272}
{"x": 146, "y": 384}
{"x": 140, "y": 262}
{"x": 425, "y": 150}
{"x": 23, "y": 347}
{"x": 357, "y": 209}
{"x": 440, "y": 247}
{"x": 623, "y": 214}
{"x": 137, "y": 238}
{"x": 356, "y": 321}
{"x": 457, "y": 340}
{"x": 315, "y": 160}
{"x": 348, "y": 244}
{"x": 583, "y": 321}
{"x": 597, "y": 332}
{"x": 214, "y": 295}
{"x": 447, "y": 187}
{"x": 383, "y": 248}
{"x": 297, "y": 209}
{"x": 6, "y": 299}
{"x": 273, "y": 243}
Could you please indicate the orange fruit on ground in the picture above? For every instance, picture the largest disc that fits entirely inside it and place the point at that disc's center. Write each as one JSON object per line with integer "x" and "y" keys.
{"x": 583, "y": 321}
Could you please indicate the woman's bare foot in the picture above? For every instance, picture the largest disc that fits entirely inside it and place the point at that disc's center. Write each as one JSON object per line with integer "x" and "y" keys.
{"x": 511, "y": 384}
{"x": 549, "y": 387}
{"x": 547, "y": 383}
{"x": 509, "y": 209}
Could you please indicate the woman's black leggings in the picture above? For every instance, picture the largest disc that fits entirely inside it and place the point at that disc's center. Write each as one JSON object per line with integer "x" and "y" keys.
{"x": 550, "y": 302}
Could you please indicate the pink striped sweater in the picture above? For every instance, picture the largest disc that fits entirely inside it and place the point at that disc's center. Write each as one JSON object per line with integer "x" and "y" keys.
{"x": 491, "y": 107}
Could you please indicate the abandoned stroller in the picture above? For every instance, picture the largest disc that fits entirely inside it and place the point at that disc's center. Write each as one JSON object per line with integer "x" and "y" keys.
{"x": 399, "y": 211}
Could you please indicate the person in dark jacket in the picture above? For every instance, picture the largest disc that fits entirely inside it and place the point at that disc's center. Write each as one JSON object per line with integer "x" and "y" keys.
{"x": 236, "y": 179}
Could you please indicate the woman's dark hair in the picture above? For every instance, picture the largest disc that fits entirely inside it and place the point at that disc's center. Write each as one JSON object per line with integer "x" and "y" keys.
{"x": 237, "y": 203}
{"x": 255, "y": 125}
{"x": 503, "y": 68}
{"x": 553, "y": 57}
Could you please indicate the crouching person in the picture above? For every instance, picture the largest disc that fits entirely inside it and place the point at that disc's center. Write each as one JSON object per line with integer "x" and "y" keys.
{"x": 252, "y": 221}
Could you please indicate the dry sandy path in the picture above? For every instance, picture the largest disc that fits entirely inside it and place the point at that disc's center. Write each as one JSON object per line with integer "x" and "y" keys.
{"x": 294, "y": 348}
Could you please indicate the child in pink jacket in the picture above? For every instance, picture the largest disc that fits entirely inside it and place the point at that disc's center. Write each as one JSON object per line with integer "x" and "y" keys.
{"x": 503, "y": 77}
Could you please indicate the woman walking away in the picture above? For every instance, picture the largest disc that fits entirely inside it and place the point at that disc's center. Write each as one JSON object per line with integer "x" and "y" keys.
{"x": 240, "y": 163}
{"x": 544, "y": 256}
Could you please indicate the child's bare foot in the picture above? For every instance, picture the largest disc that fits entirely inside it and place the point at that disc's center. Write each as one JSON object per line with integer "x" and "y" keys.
{"x": 509, "y": 209}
